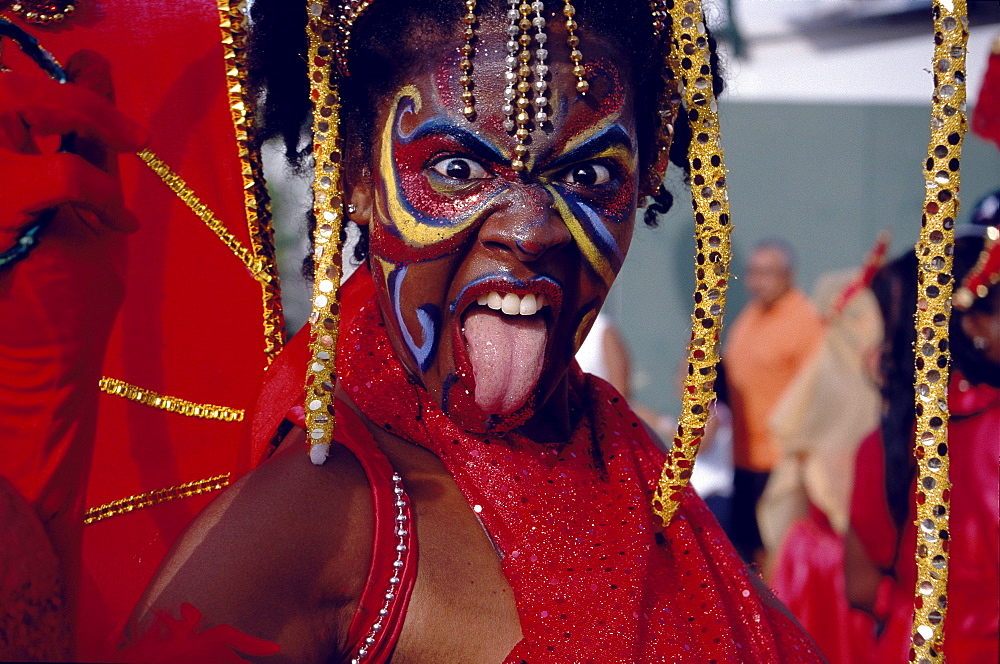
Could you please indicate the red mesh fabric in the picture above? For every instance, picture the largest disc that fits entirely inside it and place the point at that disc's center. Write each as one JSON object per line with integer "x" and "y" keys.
{"x": 595, "y": 578}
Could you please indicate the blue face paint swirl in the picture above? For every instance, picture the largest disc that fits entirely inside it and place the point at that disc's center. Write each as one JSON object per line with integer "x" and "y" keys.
{"x": 428, "y": 316}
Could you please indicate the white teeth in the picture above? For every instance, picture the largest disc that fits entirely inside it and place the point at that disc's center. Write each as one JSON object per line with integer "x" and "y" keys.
{"x": 513, "y": 305}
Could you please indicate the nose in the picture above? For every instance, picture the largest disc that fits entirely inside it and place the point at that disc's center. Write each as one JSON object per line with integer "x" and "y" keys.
{"x": 525, "y": 223}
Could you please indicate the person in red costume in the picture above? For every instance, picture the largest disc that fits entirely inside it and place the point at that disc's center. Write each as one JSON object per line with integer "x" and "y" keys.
{"x": 880, "y": 570}
{"x": 485, "y": 500}
{"x": 108, "y": 334}
{"x": 52, "y": 346}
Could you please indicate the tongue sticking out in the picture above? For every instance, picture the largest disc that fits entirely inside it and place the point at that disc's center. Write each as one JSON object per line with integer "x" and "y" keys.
{"x": 506, "y": 353}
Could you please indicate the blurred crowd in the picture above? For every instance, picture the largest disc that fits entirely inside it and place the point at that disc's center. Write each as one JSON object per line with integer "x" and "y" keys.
{"x": 808, "y": 460}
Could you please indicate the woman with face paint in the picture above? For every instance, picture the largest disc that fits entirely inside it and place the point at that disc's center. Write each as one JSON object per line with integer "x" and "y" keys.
{"x": 483, "y": 500}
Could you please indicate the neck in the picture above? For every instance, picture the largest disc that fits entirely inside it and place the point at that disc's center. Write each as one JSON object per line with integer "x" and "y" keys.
{"x": 767, "y": 305}
{"x": 553, "y": 422}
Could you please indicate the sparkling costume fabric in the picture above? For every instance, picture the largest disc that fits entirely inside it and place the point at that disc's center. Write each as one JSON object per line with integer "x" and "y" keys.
{"x": 593, "y": 573}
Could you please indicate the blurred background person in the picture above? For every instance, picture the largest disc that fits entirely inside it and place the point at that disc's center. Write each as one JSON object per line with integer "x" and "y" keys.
{"x": 824, "y": 414}
{"x": 605, "y": 355}
{"x": 767, "y": 345}
{"x": 880, "y": 570}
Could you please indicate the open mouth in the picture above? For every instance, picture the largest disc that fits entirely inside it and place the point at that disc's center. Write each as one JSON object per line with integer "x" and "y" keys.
{"x": 505, "y": 329}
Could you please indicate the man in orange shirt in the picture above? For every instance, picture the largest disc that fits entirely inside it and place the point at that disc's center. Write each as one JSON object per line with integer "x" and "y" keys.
{"x": 768, "y": 343}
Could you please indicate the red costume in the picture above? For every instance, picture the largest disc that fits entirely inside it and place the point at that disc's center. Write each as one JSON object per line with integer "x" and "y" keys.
{"x": 973, "y": 583}
{"x": 153, "y": 462}
{"x": 616, "y": 584}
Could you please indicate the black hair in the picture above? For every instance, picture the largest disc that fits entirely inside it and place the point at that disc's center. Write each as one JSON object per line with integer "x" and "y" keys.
{"x": 895, "y": 287}
{"x": 278, "y": 72}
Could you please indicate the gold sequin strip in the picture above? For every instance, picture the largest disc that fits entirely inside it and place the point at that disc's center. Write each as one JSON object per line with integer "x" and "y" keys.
{"x": 142, "y": 500}
{"x": 120, "y": 388}
{"x": 177, "y": 185}
{"x": 710, "y": 201}
{"x": 232, "y": 17}
{"x": 935, "y": 282}
{"x": 329, "y": 34}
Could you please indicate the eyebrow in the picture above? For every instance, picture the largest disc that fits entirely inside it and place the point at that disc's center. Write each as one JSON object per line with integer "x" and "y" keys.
{"x": 613, "y": 136}
{"x": 465, "y": 138}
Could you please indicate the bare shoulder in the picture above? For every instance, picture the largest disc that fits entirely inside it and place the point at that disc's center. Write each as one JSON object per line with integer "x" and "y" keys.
{"x": 281, "y": 555}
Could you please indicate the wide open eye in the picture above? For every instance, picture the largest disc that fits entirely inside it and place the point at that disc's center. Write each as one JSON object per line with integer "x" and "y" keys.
{"x": 588, "y": 174}
{"x": 460, "y": 168}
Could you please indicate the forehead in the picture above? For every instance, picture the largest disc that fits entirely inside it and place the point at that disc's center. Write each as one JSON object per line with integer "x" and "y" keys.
{"x": 769, "y": 258}
{"x": 436, "y": 72}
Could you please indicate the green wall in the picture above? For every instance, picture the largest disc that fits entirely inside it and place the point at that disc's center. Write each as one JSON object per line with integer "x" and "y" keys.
{"x": 826, "y": 178}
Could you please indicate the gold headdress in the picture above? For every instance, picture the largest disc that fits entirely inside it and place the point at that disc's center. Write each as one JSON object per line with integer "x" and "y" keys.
{"x": 984, "y": 275}
{"x": 689, "y": 54}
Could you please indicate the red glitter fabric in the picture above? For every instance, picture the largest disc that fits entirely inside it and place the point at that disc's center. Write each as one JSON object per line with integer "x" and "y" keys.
{"x": 594, "y": 575}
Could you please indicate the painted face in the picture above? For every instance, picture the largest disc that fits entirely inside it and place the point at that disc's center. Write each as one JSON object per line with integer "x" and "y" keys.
{"x": 488, "y": 279}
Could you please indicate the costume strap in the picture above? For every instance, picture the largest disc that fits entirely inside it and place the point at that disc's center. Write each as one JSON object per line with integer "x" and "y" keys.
{"x": 934, "y": 279}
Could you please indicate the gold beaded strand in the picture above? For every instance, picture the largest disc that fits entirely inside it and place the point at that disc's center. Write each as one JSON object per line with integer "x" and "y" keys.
{"x": 465, "y": 64}
{"x": 522, "y": 117}
{"x": 710, "y": 200}
{"x": 575, "y": 55}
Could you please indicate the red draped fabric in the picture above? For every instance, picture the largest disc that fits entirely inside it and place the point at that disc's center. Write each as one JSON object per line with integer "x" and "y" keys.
{"x": 190, "y": 324}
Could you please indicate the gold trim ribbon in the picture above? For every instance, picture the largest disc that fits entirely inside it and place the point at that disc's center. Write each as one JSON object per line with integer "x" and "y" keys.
{"x": 151, "y": 498}
{"x": 120, "y": 388}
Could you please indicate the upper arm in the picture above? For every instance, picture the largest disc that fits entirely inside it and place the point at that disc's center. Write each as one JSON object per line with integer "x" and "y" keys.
{"x": 861, "y": 575}
{"x": 280, "y": 556}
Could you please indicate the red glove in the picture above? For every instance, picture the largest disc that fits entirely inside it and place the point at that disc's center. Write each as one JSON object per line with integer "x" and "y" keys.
{"x": 33, "y": 108}
{"x": 58, "y": 304}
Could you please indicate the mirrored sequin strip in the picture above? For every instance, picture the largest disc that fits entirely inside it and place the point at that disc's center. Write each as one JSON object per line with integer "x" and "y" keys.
{"x": 120, "y": 388}
{"x": 934, "y": 283}
{"x": 710, "y": 200}
{"x": 151, "y": 498}
{"x": 232, "y": 20}
{"x": 177, "y": 185}
{"x": 328, "y": 32}
{"x": 392, "y": 592}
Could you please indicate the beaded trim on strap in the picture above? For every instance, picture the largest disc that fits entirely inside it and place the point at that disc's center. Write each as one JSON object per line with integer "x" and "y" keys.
{"x": 402, "y": 533}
